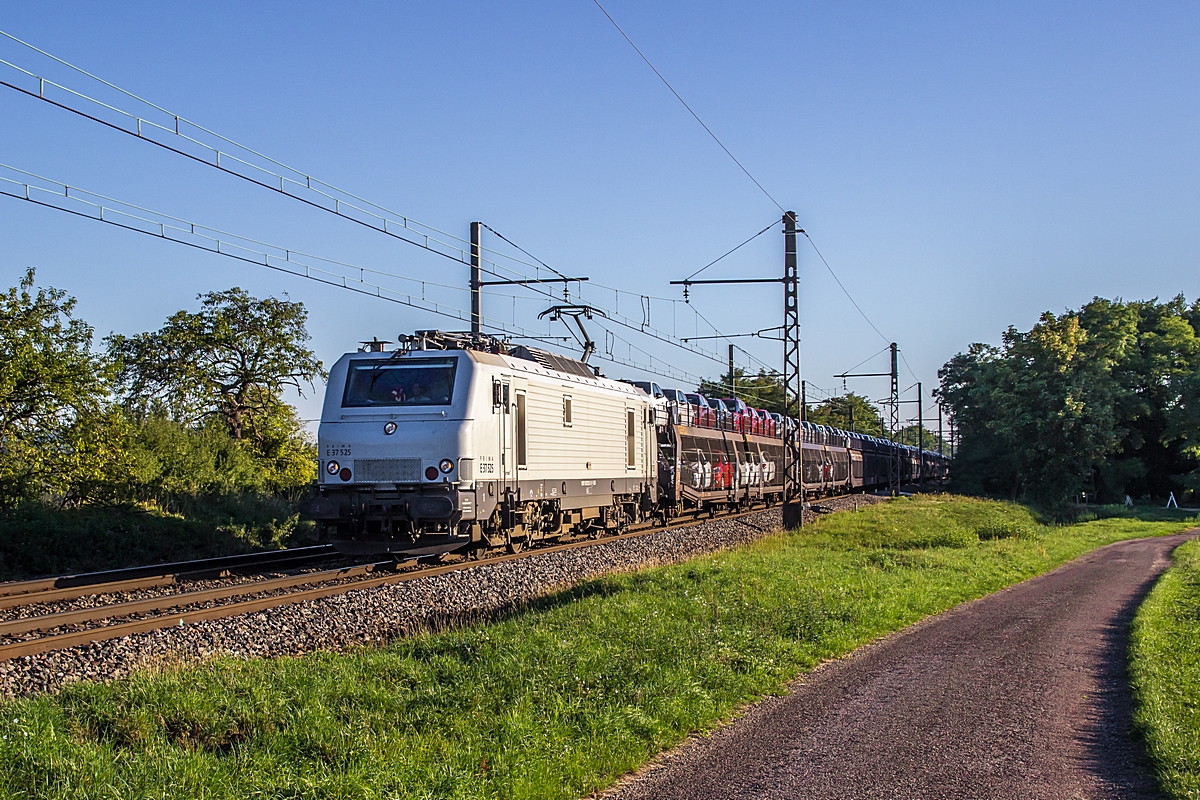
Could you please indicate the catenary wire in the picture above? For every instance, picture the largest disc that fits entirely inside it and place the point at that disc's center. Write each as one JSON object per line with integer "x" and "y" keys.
{"x": 689, "y": 108}
{"x": 747, "y": 352}
{"x": 161, "y": 229}
{"x": 523, "y": 250}
{"x": 844, "y": 290}
{"x": 731, "y": 252}
{"x": 405, "y": 222}
{"x": 322, "y": 193}
{"x": 868, "y": 358}
{"x": 73, "y": 192}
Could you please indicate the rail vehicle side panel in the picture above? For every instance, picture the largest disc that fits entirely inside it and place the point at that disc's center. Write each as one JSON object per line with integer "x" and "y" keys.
{"x": 718, "y": 466}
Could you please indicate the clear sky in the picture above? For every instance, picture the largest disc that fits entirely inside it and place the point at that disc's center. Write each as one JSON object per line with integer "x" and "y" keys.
{"x": 962, "y": 166}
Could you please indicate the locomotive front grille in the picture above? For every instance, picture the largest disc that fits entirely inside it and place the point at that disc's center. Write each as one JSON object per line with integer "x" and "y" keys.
{"x": 387, "y": 470}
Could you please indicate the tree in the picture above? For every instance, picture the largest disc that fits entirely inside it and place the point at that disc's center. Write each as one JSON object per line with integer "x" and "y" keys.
{"x": 764, "y": 390}
{"x": 58, "y": 433}
{"x": 232, "y": 360}
{"x": 848, "y": 412}
{"x": 910, "y": 435}
{"x": 1102, "y": 399}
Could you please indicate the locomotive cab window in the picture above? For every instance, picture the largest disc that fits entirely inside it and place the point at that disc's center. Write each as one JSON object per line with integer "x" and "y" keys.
{"x": 411, "y": 382}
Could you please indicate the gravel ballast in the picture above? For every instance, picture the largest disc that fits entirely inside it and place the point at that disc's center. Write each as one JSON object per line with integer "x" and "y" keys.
{"x": 378, "y": 615}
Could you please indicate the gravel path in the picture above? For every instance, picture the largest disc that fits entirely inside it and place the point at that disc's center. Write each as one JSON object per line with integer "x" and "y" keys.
{"x": 1021, "y": 694}
{"x": 377, "y": 615}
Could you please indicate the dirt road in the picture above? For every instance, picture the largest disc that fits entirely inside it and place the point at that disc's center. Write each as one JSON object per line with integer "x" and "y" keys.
{"x": 1022, "y": 694}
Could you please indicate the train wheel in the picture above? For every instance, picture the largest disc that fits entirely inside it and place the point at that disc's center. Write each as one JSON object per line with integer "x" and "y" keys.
{"x": 514, "y": 546}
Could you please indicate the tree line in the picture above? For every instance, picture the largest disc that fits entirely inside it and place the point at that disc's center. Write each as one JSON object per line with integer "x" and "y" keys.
{"x": 849, "y": 412}
{"x": 1104, "y": 399}
{"x": 194, "y": 408}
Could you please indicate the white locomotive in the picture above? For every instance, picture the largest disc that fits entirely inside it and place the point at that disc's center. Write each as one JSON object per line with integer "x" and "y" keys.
{"x": 461, "y": 441}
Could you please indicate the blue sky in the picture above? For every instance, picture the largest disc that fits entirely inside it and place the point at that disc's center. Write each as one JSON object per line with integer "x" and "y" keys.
{"x": 963, "y": 167}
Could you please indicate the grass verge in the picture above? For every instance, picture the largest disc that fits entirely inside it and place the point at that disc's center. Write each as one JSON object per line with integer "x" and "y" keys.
{"x": 1165, "y": 671}
{"x": 553, "y": 701}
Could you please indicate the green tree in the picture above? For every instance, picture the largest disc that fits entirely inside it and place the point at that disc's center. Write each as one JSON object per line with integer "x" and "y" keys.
{"x": 848, "y": 412}
{"x": 227, "y": 364}
{"x": 233, "y": 360}
{"x": 1154, "y": 351}
{"x": 1102, "y": 399}
{"x": 59, "y": 437}
{"x": 763, "y": 390}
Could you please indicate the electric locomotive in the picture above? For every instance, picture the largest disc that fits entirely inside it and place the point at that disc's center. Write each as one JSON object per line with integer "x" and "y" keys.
{"x": 464, "y": 442}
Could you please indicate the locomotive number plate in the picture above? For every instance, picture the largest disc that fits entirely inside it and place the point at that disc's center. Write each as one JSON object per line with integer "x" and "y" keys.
{"x": 337, "y": 450}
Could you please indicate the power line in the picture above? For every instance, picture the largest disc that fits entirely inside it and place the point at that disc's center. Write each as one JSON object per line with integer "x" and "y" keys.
{"x": 743, "y": 168}
{"x": 734, "y": 250}
{"x": 74, "y": 193}
{"x": 72, "y": 200}
{"x": 868, "y": 358}
{"x": 747, "y": 352}
{"x": 344, "y": 204}
{"x": 906, "y": 366}
{"x": 843, "y": 288}
{"x": 523, "y": 250}
{"x": 689, "y": 108}
{"x": 298, "y": 185}
{"x": 174, "y": 229}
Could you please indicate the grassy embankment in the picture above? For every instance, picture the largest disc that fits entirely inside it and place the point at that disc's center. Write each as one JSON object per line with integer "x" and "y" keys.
{"x": 1165, "y": 668}
{"x": 39, "y": 540}
{"x": 552, "y": 701}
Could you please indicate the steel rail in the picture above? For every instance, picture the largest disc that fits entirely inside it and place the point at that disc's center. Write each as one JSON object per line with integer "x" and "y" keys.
{"x": 64, "y": 640}
{"x": 122, "y": 579}
{"x": 166, "y": 602}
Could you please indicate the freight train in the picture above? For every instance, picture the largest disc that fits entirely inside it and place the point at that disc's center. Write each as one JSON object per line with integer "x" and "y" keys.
{"x": 465, "y": 442}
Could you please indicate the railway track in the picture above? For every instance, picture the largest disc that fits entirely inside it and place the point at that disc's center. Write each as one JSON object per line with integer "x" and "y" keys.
{"x": 68, "y": 587}
{"x": 44, "y": 632}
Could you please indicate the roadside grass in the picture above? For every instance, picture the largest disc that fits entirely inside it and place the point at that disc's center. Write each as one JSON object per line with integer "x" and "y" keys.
{"x": 38, "y": 540}
{"x": 552, "y": 701}
{"x": 1165, "y": 672}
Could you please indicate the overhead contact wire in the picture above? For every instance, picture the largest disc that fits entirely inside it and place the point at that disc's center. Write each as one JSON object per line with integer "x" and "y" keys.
{"x": 689, "y": 108}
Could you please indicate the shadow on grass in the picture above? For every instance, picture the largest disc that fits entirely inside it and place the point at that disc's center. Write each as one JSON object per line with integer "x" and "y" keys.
{"x": 1073, "y": 514}
{"x": 37, "y": 541}
{"x": 604, "y": 586}
{"x": 1116, "y": 753}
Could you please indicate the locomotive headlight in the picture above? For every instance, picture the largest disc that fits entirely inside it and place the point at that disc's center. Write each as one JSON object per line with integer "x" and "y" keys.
{"x": 447, "y": 466}
{"x": 389, "y": 428}
{"x": 332, "y": 467}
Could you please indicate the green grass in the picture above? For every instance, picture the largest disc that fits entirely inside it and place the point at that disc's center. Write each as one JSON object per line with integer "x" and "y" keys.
{"x": 1165, "y": 670}
{"x": 39, "y": 540}
{"x": 552, "y": 701}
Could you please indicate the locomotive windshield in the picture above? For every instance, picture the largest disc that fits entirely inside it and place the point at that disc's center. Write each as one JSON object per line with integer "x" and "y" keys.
{"x": 412, "y": 382}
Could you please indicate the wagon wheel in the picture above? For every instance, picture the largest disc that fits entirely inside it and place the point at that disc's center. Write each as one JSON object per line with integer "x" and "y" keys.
{"x": 514, "y": 546}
